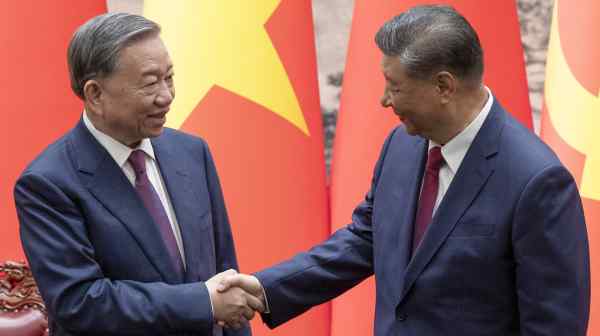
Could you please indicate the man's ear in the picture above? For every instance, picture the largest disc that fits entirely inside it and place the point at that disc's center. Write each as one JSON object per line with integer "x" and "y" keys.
{"x": 92, "y": 95}
{"x": 445, "y": 84}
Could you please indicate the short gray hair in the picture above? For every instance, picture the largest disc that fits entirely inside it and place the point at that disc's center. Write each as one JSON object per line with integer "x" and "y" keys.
{"x": 95, "y": 47}
{"x": 433, "y": 38}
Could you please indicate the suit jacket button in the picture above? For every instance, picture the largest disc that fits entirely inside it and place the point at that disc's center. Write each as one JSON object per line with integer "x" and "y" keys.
{"x": 402, "y": 317}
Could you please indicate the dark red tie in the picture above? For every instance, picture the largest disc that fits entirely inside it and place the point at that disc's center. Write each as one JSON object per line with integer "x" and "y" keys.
{"x": 429, "y": 192}
{"x": 152, "y": 202}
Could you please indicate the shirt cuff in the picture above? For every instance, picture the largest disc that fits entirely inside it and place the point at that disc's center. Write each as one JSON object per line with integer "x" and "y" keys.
{"x": 212, "y": 309}
{"x": 267, "y": 309}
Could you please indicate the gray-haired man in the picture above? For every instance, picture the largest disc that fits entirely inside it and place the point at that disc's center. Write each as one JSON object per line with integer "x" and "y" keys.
{"x": 123, "y": 221}
{"x": 472, "y": 226}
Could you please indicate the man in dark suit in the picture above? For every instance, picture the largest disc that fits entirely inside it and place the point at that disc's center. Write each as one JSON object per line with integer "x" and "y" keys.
{"x": 472, "y": 226}
{"x": 123, "y": 222}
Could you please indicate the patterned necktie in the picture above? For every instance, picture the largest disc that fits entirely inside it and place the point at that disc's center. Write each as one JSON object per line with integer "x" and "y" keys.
{"x": 429, "y": 192}
{"x": 154, "y": 206}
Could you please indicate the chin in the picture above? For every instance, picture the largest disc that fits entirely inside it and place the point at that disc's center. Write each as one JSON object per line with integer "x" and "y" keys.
{"x": 153, "y": 133}
{"x": 410, "y": 130}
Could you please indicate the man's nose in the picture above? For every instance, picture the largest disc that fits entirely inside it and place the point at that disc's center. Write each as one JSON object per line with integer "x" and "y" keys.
{"x": 165, "y": 95}
{"x": 385, "y": 99}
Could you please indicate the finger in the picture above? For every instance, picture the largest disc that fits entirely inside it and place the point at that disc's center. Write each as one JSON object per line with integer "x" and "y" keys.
{"x": 224, "y": 284}
{"x": 225, "y": 325}
{"x": 255, "y": 303}
{"x": 238, "y": 323}
{"x": 216, "y": 279}
{"x": 233, "y": 325}
{"x": 248, "y": 313}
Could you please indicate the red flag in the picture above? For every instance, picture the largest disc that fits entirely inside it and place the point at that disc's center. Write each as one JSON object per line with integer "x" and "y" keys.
{"x": 363, "y": 124}
{"x": 245, "y": 74}
{"x": 571, "y": 115}
{"x": 38, "y": 105}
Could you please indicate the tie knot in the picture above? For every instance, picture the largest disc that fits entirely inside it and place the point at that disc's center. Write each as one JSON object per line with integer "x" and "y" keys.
{"x": 138, "y": 162}
{"x": 435, "y": 160}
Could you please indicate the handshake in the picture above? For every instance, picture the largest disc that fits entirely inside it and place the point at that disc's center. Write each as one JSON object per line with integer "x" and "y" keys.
{"x": 235, "y": 298}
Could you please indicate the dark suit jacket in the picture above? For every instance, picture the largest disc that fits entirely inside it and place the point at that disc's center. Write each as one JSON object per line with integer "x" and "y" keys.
{"x": 99, "y": 260}
{"x": 506, "y": 253}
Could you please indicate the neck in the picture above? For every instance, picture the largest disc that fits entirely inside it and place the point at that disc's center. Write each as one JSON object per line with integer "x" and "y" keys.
{"x": 465, "y": 110}
{"x": 101, "y": 126}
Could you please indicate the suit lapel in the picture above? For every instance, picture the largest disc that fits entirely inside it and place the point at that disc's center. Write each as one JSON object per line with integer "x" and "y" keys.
{"x": 404, "y": 219}
{"x": 413, "y": 200}
{"x": 185, "y": 203}
{"x": 475, "y": 170}
{"x": 396, "y": 191}
{"x": 108, "y": 184}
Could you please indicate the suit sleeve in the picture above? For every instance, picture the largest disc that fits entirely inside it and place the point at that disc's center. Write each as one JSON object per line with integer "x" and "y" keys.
{"x": 552, "y": 259}
{"x": 76, "y": 292}
{"x": 224, "y": 244}
{"x": 328, "y": 269}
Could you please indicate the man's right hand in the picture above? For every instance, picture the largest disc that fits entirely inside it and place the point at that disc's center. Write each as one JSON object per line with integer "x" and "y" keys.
{"x": 233, "y": 306}
{"x": 249, "y": 284}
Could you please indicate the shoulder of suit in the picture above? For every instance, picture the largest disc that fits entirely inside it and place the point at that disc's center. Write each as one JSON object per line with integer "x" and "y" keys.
{"x": 180, "y": 136}
{"x": 54, "y": 155}
{"x": 187, "y": 145}
{"x": 525, "y": 149}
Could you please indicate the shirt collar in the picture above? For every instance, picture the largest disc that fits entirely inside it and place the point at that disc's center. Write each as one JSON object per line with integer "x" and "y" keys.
{"x": 456, "y": 149}
{"x": 118, "y": 151}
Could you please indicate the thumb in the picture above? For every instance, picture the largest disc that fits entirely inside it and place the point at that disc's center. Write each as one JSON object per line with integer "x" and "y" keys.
{"x": 216, "y": 279}
{"x": 234, "y": 280}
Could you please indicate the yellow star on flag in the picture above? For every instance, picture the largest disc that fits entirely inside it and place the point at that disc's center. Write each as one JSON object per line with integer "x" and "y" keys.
{"x": 224, "y": 43}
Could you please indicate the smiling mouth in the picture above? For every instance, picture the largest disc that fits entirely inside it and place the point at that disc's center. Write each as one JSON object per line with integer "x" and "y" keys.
{"x": 159, "y": 115}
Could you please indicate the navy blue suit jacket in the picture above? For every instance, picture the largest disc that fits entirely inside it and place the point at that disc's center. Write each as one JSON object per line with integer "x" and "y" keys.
{"x": 506, "y": 252}
{"x": 99, "y": 260}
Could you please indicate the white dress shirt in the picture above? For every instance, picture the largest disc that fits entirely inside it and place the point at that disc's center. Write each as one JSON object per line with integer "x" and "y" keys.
{"x": 455, "y": 150}
{"x": 120, "y": 153}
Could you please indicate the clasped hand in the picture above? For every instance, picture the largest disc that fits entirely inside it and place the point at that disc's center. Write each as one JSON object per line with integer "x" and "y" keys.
{"x": 235, "y": 298}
